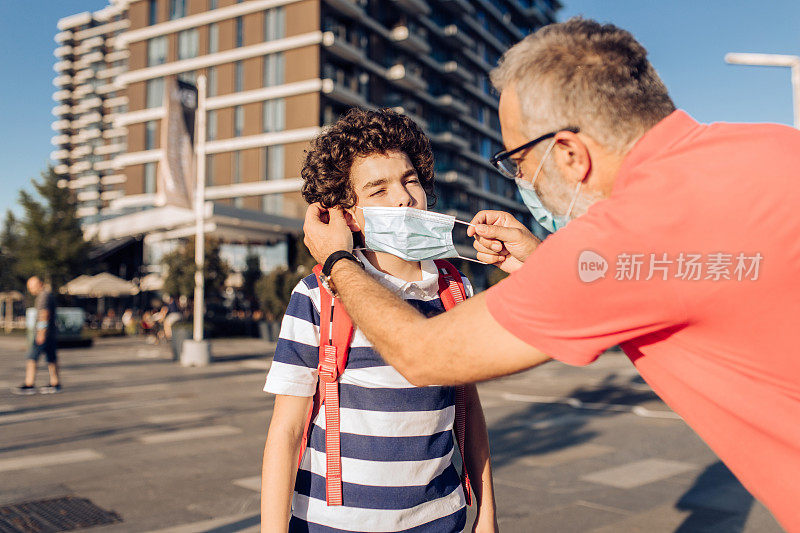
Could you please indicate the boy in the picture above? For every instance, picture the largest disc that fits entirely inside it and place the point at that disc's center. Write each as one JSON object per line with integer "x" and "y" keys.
{"x": 396, "y": 439}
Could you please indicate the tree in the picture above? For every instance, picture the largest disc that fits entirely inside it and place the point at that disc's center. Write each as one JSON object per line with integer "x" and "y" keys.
{"x": 53, "y": 246}
{"x": 252, "y": 273}
{"x": 180, "y": 268}
{"x": 10, "y": 277}
{"x": 275, "y": 288}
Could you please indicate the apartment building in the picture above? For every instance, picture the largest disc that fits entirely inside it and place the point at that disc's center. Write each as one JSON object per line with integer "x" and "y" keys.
{"x": 278, "y": 71}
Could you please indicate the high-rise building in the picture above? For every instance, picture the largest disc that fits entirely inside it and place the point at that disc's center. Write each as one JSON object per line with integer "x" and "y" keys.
{"x": 278, "y": 71}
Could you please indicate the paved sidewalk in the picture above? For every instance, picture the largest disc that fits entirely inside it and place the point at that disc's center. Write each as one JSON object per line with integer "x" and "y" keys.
{"x": 175, "y": 449}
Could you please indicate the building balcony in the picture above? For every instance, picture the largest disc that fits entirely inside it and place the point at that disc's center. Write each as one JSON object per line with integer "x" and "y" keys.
{"x": 62, "y": 66}
{"x": 451, "y": 104}
{"x": 457, "y": 37}
{"x": 62, "y": 81}
{"x": 456, "y": 178}
{"x": 61, "y": 125}
{"x": 406, "y": 39}
{"x": 115, "y": 132}
{"x": 87, "y": 196}
{"x": 118, "y": 55}
{"x": 342, "y": 94}
{"x": 115, "y": 102}
{"x": 83, "y": 212}
{"x": 341, "y": 48}
{"x": 91, "y": 133}
{"x": 111, "y": 195}
{"x": 80, "y": 166}
{"x": 61, "y": 169}
{"x": 83, "y": 75}
{"x": 82, "y": 90}
{"x": 63, "y": 109}
{"x": 84, "y": 181}
{"x": 447, "y": 138}
{"x": 109, "y": 149}
{"x": 457, "y": 6}
{"x": 59, "y": 140}
{"x": 104, "y": 165}
{"x": 415, "y": 7}
{"x": 59, "y": 155}
{"x": 421, "y": 122}
{"x": 81, "y": 151}
{"x": 63, "y": 51}
{"x": 408, "y": 80}
{"x": 61, "y": 95}
{"x": 113, "y": 179}
{"x": 346, "y": 7}
{"x": 92, "y": 57}
{"x": 63, "y": 36}
{"x": 110, "y": 72}
{"x": 457, "y": 72}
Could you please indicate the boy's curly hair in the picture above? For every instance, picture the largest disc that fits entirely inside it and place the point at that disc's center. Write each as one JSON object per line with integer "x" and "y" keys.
{"x": 358, "y": 133}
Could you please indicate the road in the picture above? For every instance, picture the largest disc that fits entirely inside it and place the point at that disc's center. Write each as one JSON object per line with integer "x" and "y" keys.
{"x": 177, "y": 449}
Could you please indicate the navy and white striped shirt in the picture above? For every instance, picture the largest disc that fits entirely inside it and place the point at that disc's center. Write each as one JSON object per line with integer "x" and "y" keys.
{"x": 396, "y": 439}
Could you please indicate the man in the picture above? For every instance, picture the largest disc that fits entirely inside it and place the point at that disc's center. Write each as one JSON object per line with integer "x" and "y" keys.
{"x": 683, "y": 250}
{"x": 44, "y": 340}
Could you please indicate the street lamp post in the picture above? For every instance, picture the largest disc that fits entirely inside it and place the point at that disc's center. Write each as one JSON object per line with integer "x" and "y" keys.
{"x": 774, "y": 60}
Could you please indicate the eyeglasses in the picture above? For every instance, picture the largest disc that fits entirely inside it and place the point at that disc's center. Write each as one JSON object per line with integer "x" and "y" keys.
{"x": 507, "y": 166}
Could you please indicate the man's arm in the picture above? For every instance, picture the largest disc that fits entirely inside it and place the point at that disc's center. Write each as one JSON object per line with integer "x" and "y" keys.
{"x": 463, "y": 345}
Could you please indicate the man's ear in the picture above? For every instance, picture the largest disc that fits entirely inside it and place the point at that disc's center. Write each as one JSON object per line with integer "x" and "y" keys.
{"x": 574, "y": 155}
{"x": 352, "y": 223}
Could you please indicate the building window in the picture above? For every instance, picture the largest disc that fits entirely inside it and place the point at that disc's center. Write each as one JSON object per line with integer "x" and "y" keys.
{"x": 177, "y": 9}
{"x": 154, "y": 96}
{"x": 211, "y": 81}
{"x": 238, "y": 121}
{"x": 238, "y": 78}
{"x": 213, "y": 38}
{"x": 150, "y": 135}
{"x": 156, "y": 51}
{"x": 188, "y": 44}
{"x": 274, "y": 115}
{"x": 149, "y": 178}
{"x": 152, "y": 12}
{"x": 236, "y": 171}
{"x": 211, "y": 126}
{"x": 273, "y": 69}
{"x": 273, "y": 162}
{"x": 239, "y": 32}
{"x": 274, "y": 24}
{"x": 212, "y": 4}
{"x": 188, "y": 77}
{"x": 210, "y": 170}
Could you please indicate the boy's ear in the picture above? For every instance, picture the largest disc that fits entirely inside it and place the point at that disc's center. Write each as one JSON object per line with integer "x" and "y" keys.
{"x": 352, "y": 223}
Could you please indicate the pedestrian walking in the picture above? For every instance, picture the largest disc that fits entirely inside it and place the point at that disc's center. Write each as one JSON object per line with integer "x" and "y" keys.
{"x": 44, "y": 341}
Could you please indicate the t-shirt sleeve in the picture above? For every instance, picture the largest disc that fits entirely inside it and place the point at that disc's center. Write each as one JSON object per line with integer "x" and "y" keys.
{"x": 562, "y": 303}
{"x": 294, "y": 367}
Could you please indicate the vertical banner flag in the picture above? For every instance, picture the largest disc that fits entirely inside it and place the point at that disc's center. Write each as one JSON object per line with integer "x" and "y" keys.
{"x": 176, "y": 170}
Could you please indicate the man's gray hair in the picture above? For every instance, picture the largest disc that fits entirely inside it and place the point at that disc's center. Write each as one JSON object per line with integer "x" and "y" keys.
{"x": 586, "y": 74}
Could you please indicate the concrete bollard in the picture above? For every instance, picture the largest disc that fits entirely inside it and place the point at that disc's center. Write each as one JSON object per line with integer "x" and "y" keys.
{"x": 195, "y": 353}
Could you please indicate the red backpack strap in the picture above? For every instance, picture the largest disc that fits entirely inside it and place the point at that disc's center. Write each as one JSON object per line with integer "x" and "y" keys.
{"x": 451, "y": 291}
{"x": 335, "y": 334}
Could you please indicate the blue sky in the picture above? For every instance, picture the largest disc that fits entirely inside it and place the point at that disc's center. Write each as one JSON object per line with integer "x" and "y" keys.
{"x": 687, "y": 40}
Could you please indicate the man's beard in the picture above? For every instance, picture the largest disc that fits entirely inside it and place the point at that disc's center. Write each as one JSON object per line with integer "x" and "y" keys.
{"x": 556, "y": 192}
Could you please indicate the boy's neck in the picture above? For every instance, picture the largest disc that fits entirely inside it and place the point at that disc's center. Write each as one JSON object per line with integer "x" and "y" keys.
{"x": 394, "y": 266}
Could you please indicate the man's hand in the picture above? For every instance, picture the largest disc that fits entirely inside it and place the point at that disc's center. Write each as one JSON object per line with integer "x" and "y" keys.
{"x": 326, "y": 231}
{"x": 41, "y": 335}
{"x": 501, "y": 240}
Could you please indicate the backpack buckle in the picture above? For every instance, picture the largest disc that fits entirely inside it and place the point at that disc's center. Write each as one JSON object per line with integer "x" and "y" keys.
{"x": 328, "y": 371}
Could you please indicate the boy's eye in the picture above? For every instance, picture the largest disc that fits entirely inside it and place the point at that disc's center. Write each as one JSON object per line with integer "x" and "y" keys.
{"x": 378, "y": 192}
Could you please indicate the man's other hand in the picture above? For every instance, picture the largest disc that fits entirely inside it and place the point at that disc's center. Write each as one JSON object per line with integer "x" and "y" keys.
{"x": 326, "y": 231}
{"x": 501, "y": 240}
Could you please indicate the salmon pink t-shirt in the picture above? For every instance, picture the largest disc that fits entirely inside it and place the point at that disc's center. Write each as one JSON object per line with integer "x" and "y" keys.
{"x": 692, "y": 266}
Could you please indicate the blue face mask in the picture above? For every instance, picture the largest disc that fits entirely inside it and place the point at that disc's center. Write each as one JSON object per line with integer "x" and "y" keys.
{"x": 408, "y": 233}
{"x": 544, "y": 216}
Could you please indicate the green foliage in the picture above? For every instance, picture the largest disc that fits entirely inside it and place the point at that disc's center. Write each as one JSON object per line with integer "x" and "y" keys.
{"x": 50, "y": 243}
{"x": 252, "y": 273}
{"x": 180, "y": 268}
{"x": 10, "y": 277}
{"x": 275, "y": 288}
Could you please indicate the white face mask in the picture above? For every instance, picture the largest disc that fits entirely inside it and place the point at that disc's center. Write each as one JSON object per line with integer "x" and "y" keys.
{"x": 410, "y": 234}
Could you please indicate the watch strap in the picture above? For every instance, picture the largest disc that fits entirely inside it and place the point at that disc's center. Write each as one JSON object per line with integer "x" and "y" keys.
{"x": 336, "y": 256}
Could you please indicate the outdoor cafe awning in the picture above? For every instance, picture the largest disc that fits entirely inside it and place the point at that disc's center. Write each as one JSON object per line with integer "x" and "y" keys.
{"x": 99, "y": 286}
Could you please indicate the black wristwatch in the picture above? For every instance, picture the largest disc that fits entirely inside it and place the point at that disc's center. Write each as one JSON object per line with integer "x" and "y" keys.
{"x": 328, "y": 265}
